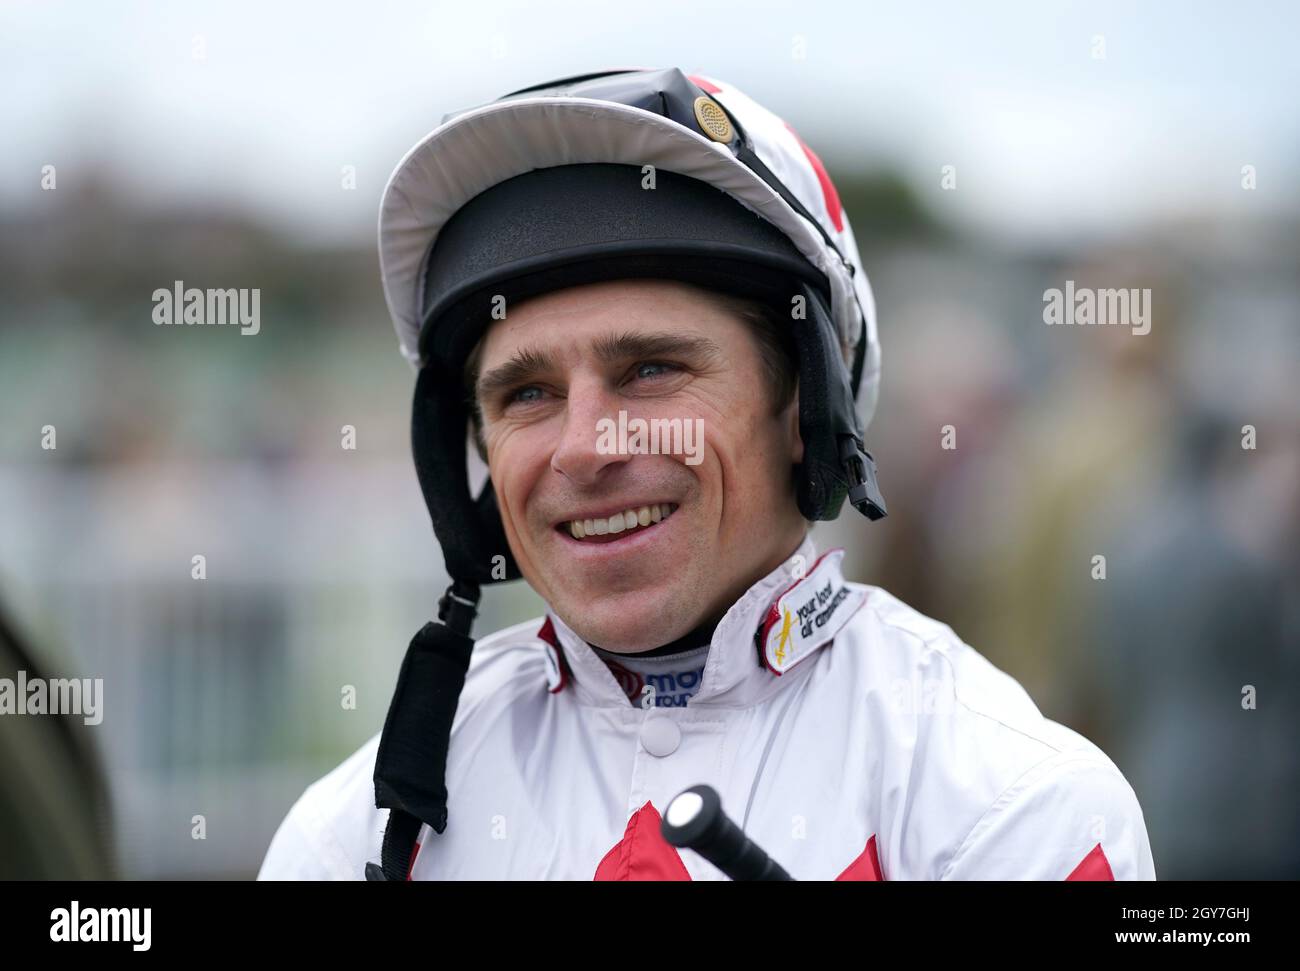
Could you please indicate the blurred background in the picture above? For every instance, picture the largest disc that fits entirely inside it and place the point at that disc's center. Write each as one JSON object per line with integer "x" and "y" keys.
{"x": 245, "y": 145}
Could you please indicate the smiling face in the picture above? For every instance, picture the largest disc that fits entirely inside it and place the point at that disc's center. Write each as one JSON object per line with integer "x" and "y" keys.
{"x": 579, "y": 510}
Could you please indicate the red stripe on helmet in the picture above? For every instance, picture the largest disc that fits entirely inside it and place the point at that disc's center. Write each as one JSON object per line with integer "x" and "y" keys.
{"x": 829, "y": 194}
{"x": 707, "y": 86}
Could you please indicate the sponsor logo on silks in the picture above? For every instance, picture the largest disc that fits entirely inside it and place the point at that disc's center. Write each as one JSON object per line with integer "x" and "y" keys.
{"x": 666, "y": 689}
{"x": 808, "y": 614}
{"x": 784, "y": 637}
{"x": 672, "y": 689}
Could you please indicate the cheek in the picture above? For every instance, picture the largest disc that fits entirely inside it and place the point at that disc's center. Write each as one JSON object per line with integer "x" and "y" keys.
{"x": 757, "y": 460}
{"x": 734, "y": 463}
{"x": 504, "y": 468}
{"x": 517, "y": 458}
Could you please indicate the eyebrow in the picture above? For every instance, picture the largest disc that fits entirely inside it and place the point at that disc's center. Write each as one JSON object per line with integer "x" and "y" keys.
{"x": 528, "y": 362}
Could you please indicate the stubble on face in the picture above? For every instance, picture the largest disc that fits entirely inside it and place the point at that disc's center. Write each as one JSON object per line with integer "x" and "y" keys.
{"x": 735, "y": 518}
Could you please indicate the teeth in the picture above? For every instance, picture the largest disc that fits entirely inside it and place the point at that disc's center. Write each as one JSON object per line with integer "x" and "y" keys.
{"x": 621, "y": 521}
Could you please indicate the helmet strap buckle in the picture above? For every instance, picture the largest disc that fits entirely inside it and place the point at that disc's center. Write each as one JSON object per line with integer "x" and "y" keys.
{"x": 458, "y": 607}
{"x": 864, "y": 491}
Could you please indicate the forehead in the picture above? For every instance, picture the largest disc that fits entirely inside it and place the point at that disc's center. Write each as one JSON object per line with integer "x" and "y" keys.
{"x": 578, "y": 316}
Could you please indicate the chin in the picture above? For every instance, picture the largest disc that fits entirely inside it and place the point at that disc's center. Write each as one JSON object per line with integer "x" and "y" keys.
{"x": 623, "y": 639}
{"x": 632, "y": 622}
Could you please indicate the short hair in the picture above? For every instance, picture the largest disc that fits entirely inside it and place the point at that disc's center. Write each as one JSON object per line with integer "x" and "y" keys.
{"x": 769, "y": 323}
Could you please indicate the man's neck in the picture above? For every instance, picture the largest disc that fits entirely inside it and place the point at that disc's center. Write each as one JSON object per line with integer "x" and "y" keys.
{"x": 695, "y": 637}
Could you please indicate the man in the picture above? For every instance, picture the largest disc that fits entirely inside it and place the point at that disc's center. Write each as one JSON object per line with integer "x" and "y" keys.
{"x": 637, "y": 295}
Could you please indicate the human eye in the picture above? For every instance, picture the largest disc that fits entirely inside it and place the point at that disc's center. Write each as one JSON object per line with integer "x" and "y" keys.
{"x": 521, "y": 399}
{"x": 648, "y": 370}
{"x": 526, "y": 395}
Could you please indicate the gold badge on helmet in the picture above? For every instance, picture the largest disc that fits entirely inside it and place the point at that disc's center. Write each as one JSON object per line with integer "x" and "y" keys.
{"x": 713, "y": 120}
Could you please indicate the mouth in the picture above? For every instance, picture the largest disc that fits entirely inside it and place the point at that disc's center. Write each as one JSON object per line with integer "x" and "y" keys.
{"x": 617, "y": 526}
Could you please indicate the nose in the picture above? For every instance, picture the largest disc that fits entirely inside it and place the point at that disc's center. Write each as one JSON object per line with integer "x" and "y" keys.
{"x": 577, "y": 455}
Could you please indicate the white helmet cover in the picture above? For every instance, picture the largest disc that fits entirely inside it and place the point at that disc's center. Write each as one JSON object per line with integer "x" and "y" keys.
{"x": 476, "y": 149}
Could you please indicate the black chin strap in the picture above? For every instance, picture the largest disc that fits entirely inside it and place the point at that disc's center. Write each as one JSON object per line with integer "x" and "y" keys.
{"x": 411, "y": 766}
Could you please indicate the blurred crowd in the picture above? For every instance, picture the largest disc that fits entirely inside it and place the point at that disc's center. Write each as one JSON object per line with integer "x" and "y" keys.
{"x": 1182, "y": 663}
